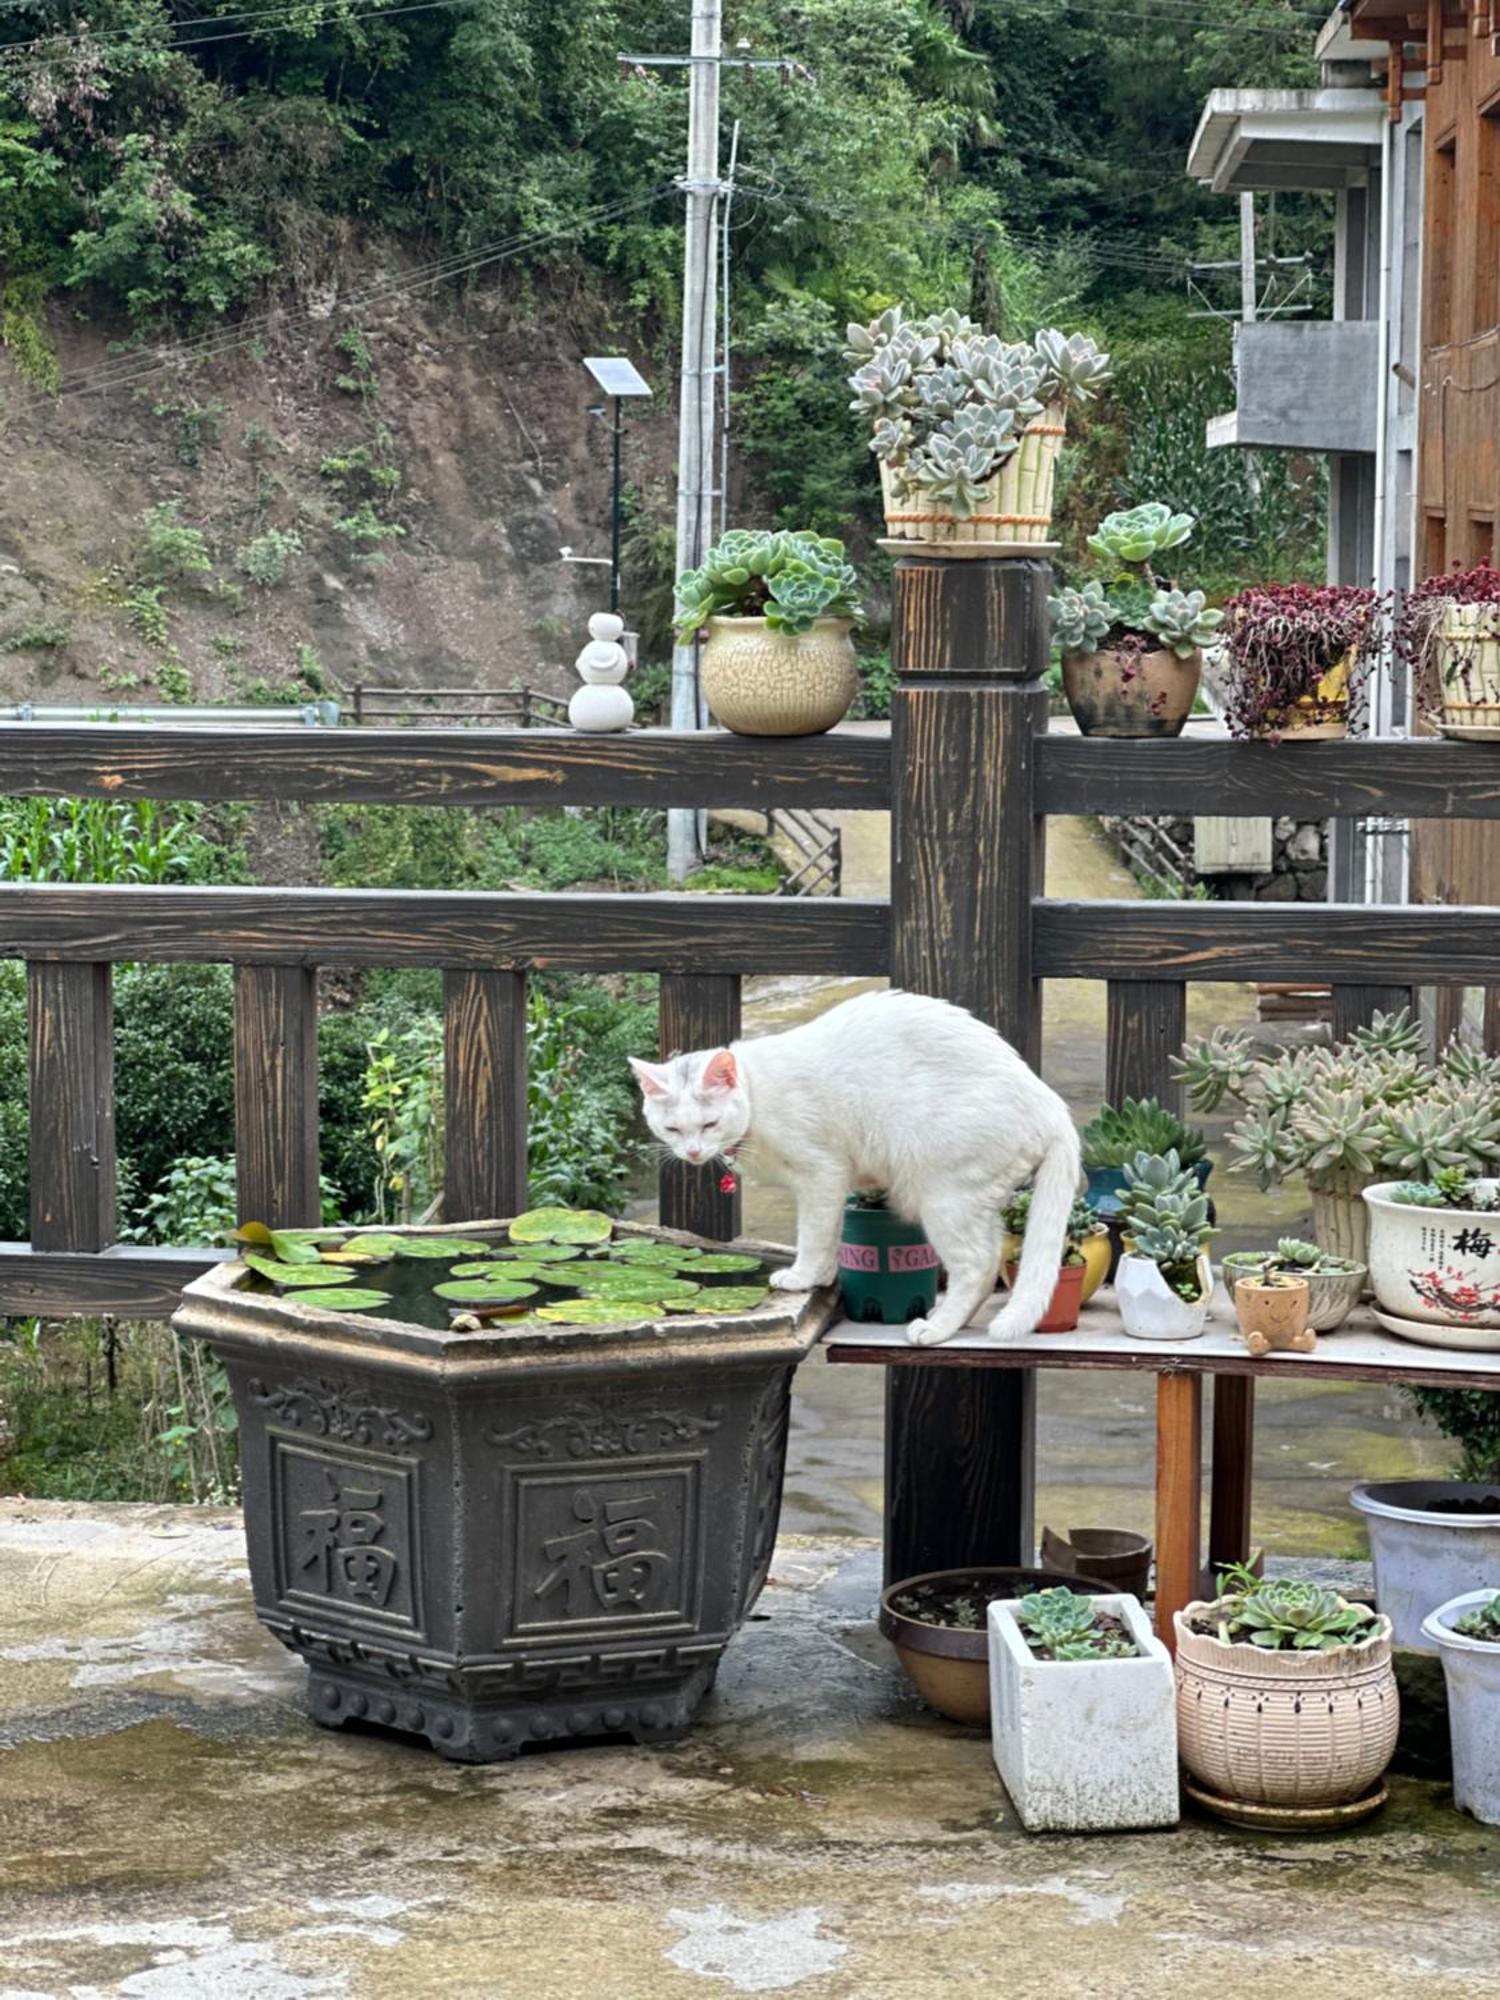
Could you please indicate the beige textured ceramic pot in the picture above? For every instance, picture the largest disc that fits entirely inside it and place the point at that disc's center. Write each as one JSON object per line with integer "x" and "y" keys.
{"x": 1119, "y": 692}
{"x": 1284, "y": 1729}
{"x": 764, "y": 683}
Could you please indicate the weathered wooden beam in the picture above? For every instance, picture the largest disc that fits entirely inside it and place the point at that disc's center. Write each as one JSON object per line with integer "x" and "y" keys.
{"x": 698, "y": 1011}
{"x": 276, "y": 1095}
{"x": 449, "y": 767}
{"x": 484, "y": 1095}
{"x": 71, "y": 1038}
{"x": 1434, "y": 945}
{"x": 1356, "y": 1006}
{"x": 1146, "y": 1022}
{"x": 577, "y": 933}
{"x": 1426, "y": 778}
{"x": 1179, "y": 1476}
{"x": 131, "y": 1283}
{"x": 1231, "y": 1489}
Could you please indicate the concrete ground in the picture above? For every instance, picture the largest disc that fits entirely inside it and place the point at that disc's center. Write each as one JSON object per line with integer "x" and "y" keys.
{"x": 172, "y": 1827}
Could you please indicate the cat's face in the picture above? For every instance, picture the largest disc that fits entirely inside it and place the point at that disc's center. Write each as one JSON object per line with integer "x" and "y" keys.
{"x": 696, "y": 1105}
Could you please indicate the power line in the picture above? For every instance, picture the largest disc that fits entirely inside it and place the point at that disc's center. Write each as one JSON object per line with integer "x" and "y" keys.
{"x": 287, "y": 14}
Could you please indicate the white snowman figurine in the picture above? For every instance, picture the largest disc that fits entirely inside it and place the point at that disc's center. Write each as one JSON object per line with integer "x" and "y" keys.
{"x": 601, "y": 703}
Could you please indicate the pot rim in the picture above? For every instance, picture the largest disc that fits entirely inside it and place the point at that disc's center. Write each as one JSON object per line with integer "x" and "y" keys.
{"x": 1438, "y": 1627}
{"x": 737, "y": 618}
{"x": 1252, "y": 1259}
{"x": 1240, "y": 1652}
{"x": 1368, "y": 1498}
{"x": 1375, "y": 1196}
{"x": 965, "y": 1642}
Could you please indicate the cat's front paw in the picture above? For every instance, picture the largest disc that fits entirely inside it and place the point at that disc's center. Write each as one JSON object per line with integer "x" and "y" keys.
{"x": 800, "y": 1278}
{"x": 928, "y": 1332}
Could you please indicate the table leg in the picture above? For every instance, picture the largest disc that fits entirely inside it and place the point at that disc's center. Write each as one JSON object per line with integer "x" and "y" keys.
{"x": 1179, "y": 1498}
{"x": 1230, "y": 1492}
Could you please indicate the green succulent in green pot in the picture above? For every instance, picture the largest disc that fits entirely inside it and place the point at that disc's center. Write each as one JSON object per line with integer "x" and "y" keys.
{"x": 1139, "y": 1125}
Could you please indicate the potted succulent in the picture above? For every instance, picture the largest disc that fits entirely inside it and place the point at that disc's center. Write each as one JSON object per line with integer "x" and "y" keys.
{"x": 1164, "y": 1281}
{"x": 888, "y": 1271}
{"x": 1117, "y": 1132}
{"x": 1286, "y": 1702}
{"x": 1131, "y": 640}
{"x": 1348, "y": 1116}
{"x": 1334, "y": 1284}
{"x": 1271, "y": 1308}
{"x": 967, "y": 427}
{"x": 1081, "y": 1713}
{"x": 1449, "y": 633}
{"x": 777, "y": 608}
{"x": 1296, "y": 657}
{"x": 1430, "y": 1540}
{"x": 1466, "y": 1632}
{"x": 1085, "y": 1262}
{"x": 1435, "y": 1257}
{"x": 938, "y": 1626}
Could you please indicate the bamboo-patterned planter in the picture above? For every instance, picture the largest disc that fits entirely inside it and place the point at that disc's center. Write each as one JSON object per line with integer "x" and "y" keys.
{"x": 1468, "y": 664}
{"x": 1015, "y": 506}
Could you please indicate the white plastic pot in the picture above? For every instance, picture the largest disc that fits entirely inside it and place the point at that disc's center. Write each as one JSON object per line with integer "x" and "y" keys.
{"x": 1084, "y": 1746}
{"x": 1150, "y": 1309}
{"x": 1437, "y": 1265}
{"x": 1471, "y": 1668}
{"x": 1423, "y": 1557}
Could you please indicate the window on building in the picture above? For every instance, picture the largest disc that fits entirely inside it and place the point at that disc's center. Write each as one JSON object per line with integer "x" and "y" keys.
{"x": 1434, "y": 545}
{"x": 1481, "y": 539}
{"x": 1486, "y": 312}
{"x": 1437, "y": 243}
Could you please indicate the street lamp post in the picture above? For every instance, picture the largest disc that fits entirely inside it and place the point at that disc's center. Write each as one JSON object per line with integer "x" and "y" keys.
{"x": 617, "y": 378}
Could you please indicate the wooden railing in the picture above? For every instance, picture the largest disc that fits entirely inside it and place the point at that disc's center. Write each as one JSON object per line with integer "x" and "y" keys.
{"x": 969, "y": 776}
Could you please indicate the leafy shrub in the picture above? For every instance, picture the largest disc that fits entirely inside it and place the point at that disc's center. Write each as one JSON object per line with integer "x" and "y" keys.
{"x": 264, "y": 558}
{"x": 1471, "y": 1418}
{"x": 171, "y": 550}
{"x": 38, "y": 638}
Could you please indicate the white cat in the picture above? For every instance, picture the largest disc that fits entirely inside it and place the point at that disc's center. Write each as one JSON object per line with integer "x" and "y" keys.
{"x": 897, "y": 1092}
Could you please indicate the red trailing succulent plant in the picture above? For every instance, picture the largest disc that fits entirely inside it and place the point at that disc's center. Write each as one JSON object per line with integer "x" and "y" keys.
{"x": 1297, "y": 653}
{"x": 1419, "y": 629}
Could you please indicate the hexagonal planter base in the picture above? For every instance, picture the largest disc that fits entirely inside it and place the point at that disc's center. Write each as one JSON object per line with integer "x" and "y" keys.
{"x": 494, "y": 1538}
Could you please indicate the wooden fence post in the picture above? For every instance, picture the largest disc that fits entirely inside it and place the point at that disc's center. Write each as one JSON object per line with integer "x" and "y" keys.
{"x": 969, "y": 645}
{"x": 276, "y": 1095}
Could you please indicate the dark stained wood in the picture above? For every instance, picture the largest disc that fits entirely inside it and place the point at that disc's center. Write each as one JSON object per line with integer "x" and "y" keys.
{"x": 1492, "y": 1020}
{"x": 130, "y": 1283}
{"x": 448, "y": 767}
{"x": 1447, "y": 1014}
{"x": 1212, "y": 774}
{"x": 1179, "y": 1479}
{"x": 579, "y": 933}
{"x": 1356, "y": 1006}
{"x": 484, "y": 1095}
{"x": 1321, "y": 941}
{"x": 276, "y": 1095}
{"x": 1233, "y": 1470}
{"x": 1146, "y": 1024}
{"x": 71, "y": 1037}
{"x": 697, "y": 1011}
{"x": 969, "y": 645}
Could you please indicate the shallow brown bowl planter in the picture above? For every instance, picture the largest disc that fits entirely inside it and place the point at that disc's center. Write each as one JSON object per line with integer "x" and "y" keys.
{"x": 514, "y": 1535}
{"x": 1118, "y": 693}
{"x": 1111, "y": 1557}
{"x": 949, "y": 1665}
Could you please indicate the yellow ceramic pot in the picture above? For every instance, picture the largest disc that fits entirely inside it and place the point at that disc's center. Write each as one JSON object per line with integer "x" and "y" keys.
{"x": 1093, "y": 1249}
{"x": 764, "y": 683}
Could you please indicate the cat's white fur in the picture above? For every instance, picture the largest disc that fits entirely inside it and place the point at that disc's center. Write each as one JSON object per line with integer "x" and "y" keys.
{"x": 890, "y": 1091}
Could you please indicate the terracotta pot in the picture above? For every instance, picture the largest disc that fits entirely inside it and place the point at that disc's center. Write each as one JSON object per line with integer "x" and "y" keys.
{"x": 1468, "y": 663}
{"x": 1117, "y": 693}
{"x": 764, "y": 683}
{"x": 949, "y": 1665}
{"x": 1061, "y": 1315}
{"x": 1284, "y": 1729}
{"x": 1331, "y": 1295}
{"x": 1015, "y": 505}
{"x": 1273, "y": 1315}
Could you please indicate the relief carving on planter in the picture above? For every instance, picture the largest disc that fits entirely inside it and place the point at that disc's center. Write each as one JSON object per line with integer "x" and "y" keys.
{"x": 588, "y": 1429}
{"x": 345, "y": 1532}
{"x": 618, "y": 1549}
{"x": 339, "y": 1410}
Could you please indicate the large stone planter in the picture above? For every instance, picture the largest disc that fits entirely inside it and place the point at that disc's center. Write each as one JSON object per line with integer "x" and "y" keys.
{"x": 1430, "y": 1539}
{"x": 1471, "y": 1670}
{"x": 764, "y": 683}
{"x": 496, "y": 1538}
{"x": 1084, "y": 1746}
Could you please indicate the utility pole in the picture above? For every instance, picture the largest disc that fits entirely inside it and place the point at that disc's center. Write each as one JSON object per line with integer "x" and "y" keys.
{"x": 699, "y": 395}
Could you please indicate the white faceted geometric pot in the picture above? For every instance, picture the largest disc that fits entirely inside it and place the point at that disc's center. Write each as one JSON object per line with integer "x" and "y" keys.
{"x": 1151, "y": 1310}
{"x": 1084, "y": 1746}
{"x": 1471, "y": 1668}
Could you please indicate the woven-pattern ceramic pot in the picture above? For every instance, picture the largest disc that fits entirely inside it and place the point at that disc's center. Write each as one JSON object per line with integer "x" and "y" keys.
{"x": 1015, "y": 505}
{"x": 1468, "y": 663}
{"x": 1284, "y": 1729}
{"x": 764, "y": 683}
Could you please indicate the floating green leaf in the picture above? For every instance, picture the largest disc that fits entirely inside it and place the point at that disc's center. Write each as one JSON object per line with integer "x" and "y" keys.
{"x": 485, "y": 1291}
{"x": 296, "y": 1274}
{"x": 646, "y": 1250}
{"x": 294, "y": 1246}
{"x": 491, "y": 1267}
{"x": 342, "y": 1298}
{"x": 721, "y": 1262}
{"x": 646, "y": 1284}
{"x": 362, "y": 1250}
{"x": 722, "y": 1299}
{"x": 594, "y": 1312}
{"x": 442, "y": 1246}
{"x": 539, "y": 1253}
{"x": 561, "y": 1225}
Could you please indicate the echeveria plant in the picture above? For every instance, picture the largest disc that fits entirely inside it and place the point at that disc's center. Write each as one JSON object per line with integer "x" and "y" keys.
{"x": 1131, "y": 606}
{"x": 790, "y": 580}
{"x": 1166, "y": 1219}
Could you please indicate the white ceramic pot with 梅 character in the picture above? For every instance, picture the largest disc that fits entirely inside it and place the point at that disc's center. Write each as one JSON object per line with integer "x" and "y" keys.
{"x": 1435, "y": 1267}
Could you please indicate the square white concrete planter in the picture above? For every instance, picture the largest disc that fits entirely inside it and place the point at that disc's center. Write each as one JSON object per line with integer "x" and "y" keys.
{"x": 1084, "y": 1746}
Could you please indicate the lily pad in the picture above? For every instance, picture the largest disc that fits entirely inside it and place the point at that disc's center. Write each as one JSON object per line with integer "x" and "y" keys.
{"x": 595, "y": 1312}
{"x": 361, "y": 1250}
{"x": 485, "y": 1291}
{"x": 442, "y": 1246}
{"x": 646, "y": 1250}
{"x": 342, "y": 1298}
{"x": 720, "y": 1263}
{"x": 294, "y": 1246}
{"x": 491, "y": 1267}
{"x": 561, "y": 1225}
{"x": 288, "y": 1275}
{"x": 723, "y": 1299}
{"x": 539, "y": 1253}
{"x": 617, "y": 1284}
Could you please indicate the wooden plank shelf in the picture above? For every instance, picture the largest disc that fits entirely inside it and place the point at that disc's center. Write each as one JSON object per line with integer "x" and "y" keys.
{"x": 849, "y": 766}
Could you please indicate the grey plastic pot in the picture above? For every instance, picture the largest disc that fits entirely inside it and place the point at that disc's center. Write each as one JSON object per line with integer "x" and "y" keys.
{"x": 1423, "y": 1556}
{"x": 1471, "y": 1668}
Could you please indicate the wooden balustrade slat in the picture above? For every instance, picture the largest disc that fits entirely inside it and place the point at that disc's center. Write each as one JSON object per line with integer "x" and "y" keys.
{"x": 697, "y": 1011}
{"x": 1442, "y": 946}
{"x": 484, "y": 1095}
{"x": 1146, "y": 1022}
{"x": 448, "y": 767}
{"x": 70, "y": 1015}
{"x": 1356, "y": 1006}
{"x": 276, "y": 1095}
{"x": 462, "y": 931}
{"x": 129, "y": 1282}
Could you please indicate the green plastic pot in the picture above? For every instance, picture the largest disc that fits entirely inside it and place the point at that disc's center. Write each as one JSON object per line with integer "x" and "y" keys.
{"x": 888, "y": 1270}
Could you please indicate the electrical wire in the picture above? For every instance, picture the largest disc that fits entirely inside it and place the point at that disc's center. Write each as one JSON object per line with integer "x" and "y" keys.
{"x": 288, "y": 17}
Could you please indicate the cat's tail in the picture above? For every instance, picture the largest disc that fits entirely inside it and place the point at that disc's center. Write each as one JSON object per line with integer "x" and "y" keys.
{"x": 1053, "y": 1191}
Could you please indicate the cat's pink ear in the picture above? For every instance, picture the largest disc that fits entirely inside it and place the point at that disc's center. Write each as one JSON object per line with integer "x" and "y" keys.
{"x": 652, "y": 1077}
{"x": 720, "y": 1072}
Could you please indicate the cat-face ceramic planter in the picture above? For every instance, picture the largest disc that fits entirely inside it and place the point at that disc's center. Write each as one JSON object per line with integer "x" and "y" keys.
{"x": 1331, "y": 1295}
{"x": 1272, "y": 1314}
{"x": 1151, "y": 1310}
{"x": 1436, "y": 1266}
